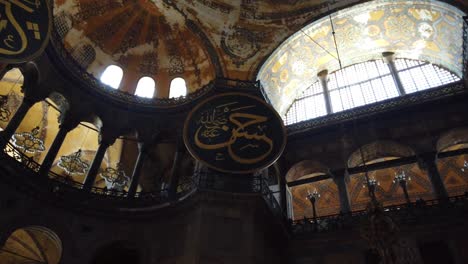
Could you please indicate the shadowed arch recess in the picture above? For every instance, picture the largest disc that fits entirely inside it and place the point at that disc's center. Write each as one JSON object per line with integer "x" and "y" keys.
{"x": 33, "y": 244}
{"x": 306, "y": 169}
{"x": 382, "y": 149}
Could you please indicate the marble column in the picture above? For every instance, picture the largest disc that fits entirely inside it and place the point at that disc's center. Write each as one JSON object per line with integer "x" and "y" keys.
{"x": 340, "y": 181}
{"x": 105, "y": 142}
{"x": 323, "y": 78}
{"x": 174, "y": 180}
{"x": 137, "y": 169}
{"x": 15, "y": 121}
{"x": 389, "y": 58}
{"x": 427, "y": 162}
{"x": 67, "y": 123}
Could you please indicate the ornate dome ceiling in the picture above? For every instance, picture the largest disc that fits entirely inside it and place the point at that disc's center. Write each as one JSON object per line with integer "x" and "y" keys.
{"x": 145, "y": 38}
{"x": 196, "y": 40}
{"x": 422, "y": 30}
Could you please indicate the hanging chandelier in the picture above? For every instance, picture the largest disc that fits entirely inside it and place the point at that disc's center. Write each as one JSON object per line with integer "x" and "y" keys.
{"x": 72, "y": 164}
{"x": 115, "y": 179}
{"x": 465, "y": 166}
{"x": 29, "y": 141}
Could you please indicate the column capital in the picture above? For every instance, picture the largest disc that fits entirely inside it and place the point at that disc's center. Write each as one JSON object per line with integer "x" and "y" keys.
{"x": 389, "y": 56}
{"x": 107, "y": 136}
{"x": 31, "y": 75}
{"x": 68, "y": 121}
{"x": 142, "y": 146}
{"x": 322, "y": 75}
{"x": 426, "y": 159}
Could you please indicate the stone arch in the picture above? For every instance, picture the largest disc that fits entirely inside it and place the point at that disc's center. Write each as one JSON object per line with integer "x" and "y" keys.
{"x": 306, "y": 169}
{"x": 32, "y": 244}
{"x": 452, "y": 137}
{"x": 377, "y": 150}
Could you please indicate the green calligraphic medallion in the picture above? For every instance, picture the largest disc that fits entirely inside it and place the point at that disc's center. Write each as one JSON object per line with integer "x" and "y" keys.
{"x": 235, "y": 133}
{"x": 25, "y": 27}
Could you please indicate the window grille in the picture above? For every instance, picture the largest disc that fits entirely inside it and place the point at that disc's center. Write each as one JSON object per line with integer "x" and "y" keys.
{"x": 418, "y": 75}
{"x": 309, "y": 105}
{"x": 62, "y": 24}
{"x": 366, "y": 83}
{"x": 84, "y": 55}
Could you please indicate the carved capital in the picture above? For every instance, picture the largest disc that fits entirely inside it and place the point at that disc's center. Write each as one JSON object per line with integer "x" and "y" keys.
{"x": 389, "y": 57}
{"x": 107, "y": 136}
{"x": 68, "y": 120}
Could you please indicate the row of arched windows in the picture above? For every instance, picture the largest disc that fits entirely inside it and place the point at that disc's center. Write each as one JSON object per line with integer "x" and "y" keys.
{"x": 365, "y": 83}
{"x": 146, "y": 86}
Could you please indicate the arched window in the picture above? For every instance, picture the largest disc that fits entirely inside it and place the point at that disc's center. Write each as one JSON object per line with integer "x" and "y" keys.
{"x": 361, "y": 84}
{"x": 112, "y": 76}
{"x": 145, "y": 87}
{"x": 178, "y": 88}
{"x": 359, "y": 76}
{"x": 365, "y": 83}
{"x": 84, "y": 55}
{"x": 62, "y": 24}
{"x": 419, "y": 75}
{"x": 308, "y": 105}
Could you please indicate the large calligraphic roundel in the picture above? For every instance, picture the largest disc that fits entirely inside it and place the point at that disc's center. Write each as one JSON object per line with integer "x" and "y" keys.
{"x": 235, "y": 133}
{"x": 24, "y": 29}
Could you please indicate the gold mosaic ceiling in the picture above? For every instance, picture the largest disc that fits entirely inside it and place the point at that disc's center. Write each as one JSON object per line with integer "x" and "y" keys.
{"x": 428, "y": 31}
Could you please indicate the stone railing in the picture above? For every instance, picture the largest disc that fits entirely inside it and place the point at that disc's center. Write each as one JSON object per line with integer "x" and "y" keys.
{"x": 61, "y": 183}
{"x": 64, "y": 187}
{"x": 404, "y": 214}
